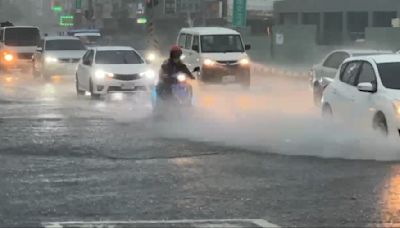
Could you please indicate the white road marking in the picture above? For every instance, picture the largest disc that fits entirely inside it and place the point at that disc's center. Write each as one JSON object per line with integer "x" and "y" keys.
{"x": 211, "y": 223}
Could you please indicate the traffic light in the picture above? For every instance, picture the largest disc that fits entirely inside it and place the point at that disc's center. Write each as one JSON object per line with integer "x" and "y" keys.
{"x": 151, "y": 3}
{"x": 56, "y": 6}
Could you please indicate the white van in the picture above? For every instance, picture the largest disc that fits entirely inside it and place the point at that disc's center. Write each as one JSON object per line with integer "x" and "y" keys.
{"x": 17, "y": 45}
{"x": 218, "y": 52}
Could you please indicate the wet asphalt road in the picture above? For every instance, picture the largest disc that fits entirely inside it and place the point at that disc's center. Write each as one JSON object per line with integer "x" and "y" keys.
{"x": 65, "y": 158}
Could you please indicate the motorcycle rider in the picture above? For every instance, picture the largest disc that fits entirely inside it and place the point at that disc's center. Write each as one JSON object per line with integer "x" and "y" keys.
{"x": 171, "y": 66}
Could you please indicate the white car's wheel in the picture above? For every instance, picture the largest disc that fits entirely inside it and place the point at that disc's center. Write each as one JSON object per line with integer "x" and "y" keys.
{"x": 317, "y": 94}
{"x": 380, "y": 124}
{"x": 92, "y": 94}
{"x": 79, "y": 92}
{"x": 327, "y": 112}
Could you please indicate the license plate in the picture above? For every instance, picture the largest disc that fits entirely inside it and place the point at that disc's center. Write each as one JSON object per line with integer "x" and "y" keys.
{"x": 228, "y": 79}
{"x": 127, "y": 86}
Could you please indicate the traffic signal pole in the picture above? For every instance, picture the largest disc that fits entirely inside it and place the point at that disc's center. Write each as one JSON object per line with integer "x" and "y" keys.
{"x": 151, "y": 29}
{"x": 78, "y": 14}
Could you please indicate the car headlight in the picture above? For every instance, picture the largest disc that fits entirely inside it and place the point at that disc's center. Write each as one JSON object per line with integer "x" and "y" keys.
{"x": 50, "y": 59}
{"x": 150, "y": 74}
{"x": 151, "y": 57}
{"x": 8, "y": 57}
{"x": 244, "y": 62}
{"x": 100, "y": 75}
{"x": 396, "y": 106}
{"x": 209, "y": 62}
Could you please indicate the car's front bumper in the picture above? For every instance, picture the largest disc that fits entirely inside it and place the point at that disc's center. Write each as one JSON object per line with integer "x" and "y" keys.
{"x": 112, "y": 85}
{"x": 61, "y": 69}
{"x": 20, "y": 64}
{"x": 219, "y": 73}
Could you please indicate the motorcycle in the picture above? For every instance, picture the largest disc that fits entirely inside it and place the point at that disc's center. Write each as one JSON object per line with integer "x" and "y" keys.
{"x": 179, "y": 98}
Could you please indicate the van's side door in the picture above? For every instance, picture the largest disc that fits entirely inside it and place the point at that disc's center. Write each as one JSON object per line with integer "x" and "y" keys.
{"x": 194, "y": 54}
{"x": 187, "y": 51}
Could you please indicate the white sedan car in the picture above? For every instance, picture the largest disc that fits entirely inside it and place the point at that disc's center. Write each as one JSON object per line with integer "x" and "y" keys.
{"x": 366, "y": 92}
{"x": 105, "y": 70}
{"x": 328, "y": 67}
{"x": 57, "y": 55}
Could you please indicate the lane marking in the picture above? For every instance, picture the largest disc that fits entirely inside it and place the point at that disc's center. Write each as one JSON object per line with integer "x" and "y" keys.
{"x": 260, "y": 223}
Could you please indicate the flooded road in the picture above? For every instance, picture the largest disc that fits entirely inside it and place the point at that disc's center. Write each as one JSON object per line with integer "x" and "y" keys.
{"x": 65, "y": 158}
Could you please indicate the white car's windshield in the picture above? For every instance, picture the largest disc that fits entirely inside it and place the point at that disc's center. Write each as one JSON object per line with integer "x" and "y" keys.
{"x": 221, "y": 43}
{"x": 21, "y": 36}
{"x": 390, "y": 75}
{"x": 70, "y": 45}
{"x": 118, "y": 57}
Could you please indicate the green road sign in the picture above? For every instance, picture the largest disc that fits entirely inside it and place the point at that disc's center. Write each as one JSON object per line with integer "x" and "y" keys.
{"x": 67, "y": 21}
{"x": 239, "y": 13}
{"x": 141, "y": 20}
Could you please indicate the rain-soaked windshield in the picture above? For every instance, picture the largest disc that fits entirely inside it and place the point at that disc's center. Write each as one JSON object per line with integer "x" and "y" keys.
{"x": 118, "y": 57}
{"x": 21, "y": 36}
{"x": 199, "y": 113}
{"x": 68, "y": 45}
{"x": 221, "y": 43}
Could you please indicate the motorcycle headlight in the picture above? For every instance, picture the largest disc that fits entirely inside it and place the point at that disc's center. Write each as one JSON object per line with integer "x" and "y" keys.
{"x": 244, "y": 62}
{"x": 150, "y": 74}
{"x": 100, "y": 75}
{"x": 209, "y": 62}
{"x": 181, "y": 77}
{"x": 50, "y": 59}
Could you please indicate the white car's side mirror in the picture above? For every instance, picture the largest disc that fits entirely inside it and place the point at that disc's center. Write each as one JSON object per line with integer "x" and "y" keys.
{"x": 366, "y": 87}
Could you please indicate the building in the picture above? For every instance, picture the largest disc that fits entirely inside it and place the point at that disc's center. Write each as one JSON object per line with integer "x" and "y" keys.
{"x": 255, "y": 8}
{"x": 337, "y": 21}
{"x": 197, "y": 12}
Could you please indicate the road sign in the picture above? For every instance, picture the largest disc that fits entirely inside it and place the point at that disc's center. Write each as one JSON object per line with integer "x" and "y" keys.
{"x": 239, "y": 13}
{"x": 67, "y": 21}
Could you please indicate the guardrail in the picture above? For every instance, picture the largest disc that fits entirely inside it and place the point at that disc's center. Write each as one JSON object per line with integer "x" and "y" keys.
{"x": 273, "y": 70}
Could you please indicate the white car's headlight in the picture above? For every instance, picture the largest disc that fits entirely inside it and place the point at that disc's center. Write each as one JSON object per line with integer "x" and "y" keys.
{"x": 150, "y": 74}
{"x": 151, "y": 57}
{"x": 244, "y": 62}
{"x": 209, "y": 62}
{"x": 50, "y": 59}
{"x": 100, "y": 75}
{"x": 396, "y": 106}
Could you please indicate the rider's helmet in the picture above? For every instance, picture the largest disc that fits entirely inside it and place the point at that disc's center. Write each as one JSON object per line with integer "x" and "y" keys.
{"x": 176, "y": 52}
